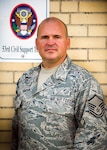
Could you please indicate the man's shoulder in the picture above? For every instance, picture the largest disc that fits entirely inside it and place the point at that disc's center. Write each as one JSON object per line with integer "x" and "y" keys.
{"x": 29, "y": 73}
{"x": 79, "y": 71}
{"x": 75, "y": 67}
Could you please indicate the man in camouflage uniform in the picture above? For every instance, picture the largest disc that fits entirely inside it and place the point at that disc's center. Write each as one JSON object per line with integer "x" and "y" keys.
{"x": 58, "y": 105}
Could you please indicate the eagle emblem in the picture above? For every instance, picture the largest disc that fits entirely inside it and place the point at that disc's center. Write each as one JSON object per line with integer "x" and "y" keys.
{"x": 23, "y": 21}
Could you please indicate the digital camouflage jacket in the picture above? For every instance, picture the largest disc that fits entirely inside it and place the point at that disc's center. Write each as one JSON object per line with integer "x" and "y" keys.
{"x": 67, "y": 113}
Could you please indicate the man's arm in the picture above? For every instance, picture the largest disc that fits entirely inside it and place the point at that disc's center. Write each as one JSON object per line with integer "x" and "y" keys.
{"x": 91, "y": 114}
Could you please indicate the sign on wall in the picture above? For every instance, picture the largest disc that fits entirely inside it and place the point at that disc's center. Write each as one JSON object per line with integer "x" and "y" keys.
{"x": 19, "y": 22}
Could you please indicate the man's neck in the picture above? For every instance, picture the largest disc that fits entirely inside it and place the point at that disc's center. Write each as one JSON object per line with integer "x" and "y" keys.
{"x": 52, "y": 63}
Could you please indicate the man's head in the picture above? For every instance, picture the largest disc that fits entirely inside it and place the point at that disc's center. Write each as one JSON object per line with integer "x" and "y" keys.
{"x": 52, "y": 41}
{"x": 52, "y": 19}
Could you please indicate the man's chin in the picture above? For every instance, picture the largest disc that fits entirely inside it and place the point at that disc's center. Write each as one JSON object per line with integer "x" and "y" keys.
{"x": 51, "y": 56}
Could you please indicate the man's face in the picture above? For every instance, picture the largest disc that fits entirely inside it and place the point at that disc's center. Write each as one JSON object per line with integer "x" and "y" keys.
{"x": 52, "y": 42}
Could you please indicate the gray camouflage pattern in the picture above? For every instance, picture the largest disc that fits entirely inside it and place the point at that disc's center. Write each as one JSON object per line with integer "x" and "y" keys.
{"x": 67, "y": 113}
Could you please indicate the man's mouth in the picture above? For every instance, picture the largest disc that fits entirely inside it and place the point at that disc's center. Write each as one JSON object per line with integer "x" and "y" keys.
{"x": 50, "y": 49}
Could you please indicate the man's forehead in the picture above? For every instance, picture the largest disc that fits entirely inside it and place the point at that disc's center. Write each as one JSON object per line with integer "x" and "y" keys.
{"x": 51, "y": 35}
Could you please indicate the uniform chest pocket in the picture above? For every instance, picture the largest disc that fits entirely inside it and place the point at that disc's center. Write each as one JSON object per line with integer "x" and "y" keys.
{"x": 59, "y": 105}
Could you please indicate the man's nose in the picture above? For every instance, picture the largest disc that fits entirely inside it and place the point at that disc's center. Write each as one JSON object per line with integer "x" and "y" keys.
{"x": 51, "y": 41}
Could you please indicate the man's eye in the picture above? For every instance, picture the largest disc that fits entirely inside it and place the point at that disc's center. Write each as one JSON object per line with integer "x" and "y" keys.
{"x": 57, "y": 36}
{"x": 44, "y": 37}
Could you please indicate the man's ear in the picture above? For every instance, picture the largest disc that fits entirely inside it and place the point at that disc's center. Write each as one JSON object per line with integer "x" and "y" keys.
{"x": 36, "y": 42}
{"x": 68, "y": 43}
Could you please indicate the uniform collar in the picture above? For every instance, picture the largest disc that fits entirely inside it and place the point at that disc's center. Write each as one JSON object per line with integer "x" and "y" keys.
{"x": 63, "y": 69}
{"x": 60, "y": 74}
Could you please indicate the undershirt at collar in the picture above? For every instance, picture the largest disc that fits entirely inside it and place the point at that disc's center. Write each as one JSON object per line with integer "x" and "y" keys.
{"x": 44, "y": 74}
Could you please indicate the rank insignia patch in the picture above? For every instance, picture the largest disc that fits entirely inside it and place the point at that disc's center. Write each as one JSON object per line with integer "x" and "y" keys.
{"x": 23, "y": 21}
{"x": 96, "y": 106}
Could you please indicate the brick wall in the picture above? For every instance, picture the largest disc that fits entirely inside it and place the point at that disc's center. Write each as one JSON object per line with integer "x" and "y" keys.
{"x": 87, "y": 26}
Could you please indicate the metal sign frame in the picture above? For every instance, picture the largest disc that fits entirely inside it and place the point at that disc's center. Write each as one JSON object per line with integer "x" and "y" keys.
{"x": 19, "y": 22}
